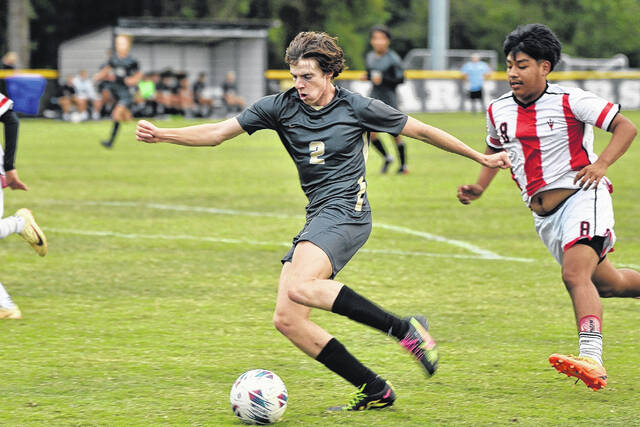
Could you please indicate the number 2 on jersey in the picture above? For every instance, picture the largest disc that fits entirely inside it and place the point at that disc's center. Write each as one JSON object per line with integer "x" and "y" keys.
{"x": 316, "y": 149}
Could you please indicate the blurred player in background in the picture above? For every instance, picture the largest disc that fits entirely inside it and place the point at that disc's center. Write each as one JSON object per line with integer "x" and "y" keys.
{"x": 474, "y": 73}
{"x": 547, "y": 131}
{"x": 22, "y": 222}
{"x": 385, "y": 70}
{"x": 124, "y": 73}
{"x": 325, "y": 130}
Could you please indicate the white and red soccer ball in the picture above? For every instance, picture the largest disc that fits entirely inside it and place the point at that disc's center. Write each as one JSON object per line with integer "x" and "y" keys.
{"x": 258, "y": 397}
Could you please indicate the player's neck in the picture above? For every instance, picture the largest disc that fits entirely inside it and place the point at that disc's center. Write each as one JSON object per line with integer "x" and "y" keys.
{"x": 326, "y": 97}
{"x": 532, "y": 96}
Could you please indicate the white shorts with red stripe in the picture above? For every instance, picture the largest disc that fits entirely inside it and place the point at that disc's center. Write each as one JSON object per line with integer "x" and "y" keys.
{"x": 584, "y": 215}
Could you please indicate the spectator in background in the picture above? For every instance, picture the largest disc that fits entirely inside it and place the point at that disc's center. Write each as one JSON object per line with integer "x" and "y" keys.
{"x": 85, "y": 93}
{"x": 202, "y": 104}
{"x": 146, "y": 95}
{"x": 184, "y": 94}
{"x": 232, "y": 100}
{"x": 66, "y": 97}
{"x": 385, "y": 70}
{"x": 474, "y": 72}
{"x": 125, "y": 73}
{"x": 164, "y": 93}
{"x": 9, "y": 62}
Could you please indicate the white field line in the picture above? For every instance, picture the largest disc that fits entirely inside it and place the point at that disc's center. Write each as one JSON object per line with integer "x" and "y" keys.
{"x": 478, "y": 253}
{"x": 133, "y": 236}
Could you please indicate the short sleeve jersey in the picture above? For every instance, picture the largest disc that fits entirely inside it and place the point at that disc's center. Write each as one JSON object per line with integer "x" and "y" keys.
{"x": 123, "y": 67}
{"x": 550, "y": 139}
{"x": 328, "y": 146}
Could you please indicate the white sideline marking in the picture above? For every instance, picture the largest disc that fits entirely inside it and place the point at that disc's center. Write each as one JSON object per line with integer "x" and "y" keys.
{"x": 478, "y": 252}
{"x": 258, "y": 243}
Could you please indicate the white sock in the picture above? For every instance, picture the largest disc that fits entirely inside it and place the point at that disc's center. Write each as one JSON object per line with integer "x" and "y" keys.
{"x": 5, "y": 299}
{"x": 11, "y": 224}
{"x": 591, "y": 345}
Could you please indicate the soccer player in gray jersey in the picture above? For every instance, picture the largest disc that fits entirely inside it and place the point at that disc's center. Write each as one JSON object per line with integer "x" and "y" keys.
{"x": 124, "y": 73}
{"x": 386, "y": 72}
{"x": 326, "y": 130}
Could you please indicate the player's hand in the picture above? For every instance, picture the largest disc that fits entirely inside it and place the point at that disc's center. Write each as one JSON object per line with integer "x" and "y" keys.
{"x": 376, "y": 79}
{"x": 13, "y": 182}
{"x": 468, "y": 193}
{"x": 590, "y": 176}
{"x": 497, "y": 160}
{"x": 147, "y": 132}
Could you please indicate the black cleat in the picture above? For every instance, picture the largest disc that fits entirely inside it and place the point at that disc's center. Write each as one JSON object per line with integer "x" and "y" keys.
{"x": 106, "y": 144}
{"x": 419, "y": 343}
{"x": 361, "y": 401}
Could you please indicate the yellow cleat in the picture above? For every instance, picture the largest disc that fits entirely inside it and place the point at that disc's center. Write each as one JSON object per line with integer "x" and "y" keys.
{"x": 32, "y": 233}
{"x": 10, "y": 313}
{"x": 586, "y": 369}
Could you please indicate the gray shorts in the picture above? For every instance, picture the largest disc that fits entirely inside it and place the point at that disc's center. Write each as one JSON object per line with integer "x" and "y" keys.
{"x": 338, "y": 231}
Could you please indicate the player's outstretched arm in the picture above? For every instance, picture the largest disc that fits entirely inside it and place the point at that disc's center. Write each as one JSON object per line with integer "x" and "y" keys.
{"x": 441, "y": 139}
{"x": 470, "y": 192}
{"x": 624, "y": 131}
{"x": 209, "y": 134}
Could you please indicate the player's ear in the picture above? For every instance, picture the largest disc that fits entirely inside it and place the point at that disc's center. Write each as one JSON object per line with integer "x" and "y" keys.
{"x": 546, "y": 66}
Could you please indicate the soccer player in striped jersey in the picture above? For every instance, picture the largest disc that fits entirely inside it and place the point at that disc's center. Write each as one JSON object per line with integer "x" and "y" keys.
{"x": 547, "y": 130}
{"x": 325, "y": 129}
{"x": 22, "y": 221}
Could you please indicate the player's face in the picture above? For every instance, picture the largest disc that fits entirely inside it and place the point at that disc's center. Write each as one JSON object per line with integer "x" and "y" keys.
{"x": 313, "y": 86}
{"x": 122, "y": 46}
{"x": 527, "y": 77}
{"x": 379, "y": 41}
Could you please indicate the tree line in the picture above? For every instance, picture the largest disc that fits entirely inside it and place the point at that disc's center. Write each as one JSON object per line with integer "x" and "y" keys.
{"x": 588, "y": 28}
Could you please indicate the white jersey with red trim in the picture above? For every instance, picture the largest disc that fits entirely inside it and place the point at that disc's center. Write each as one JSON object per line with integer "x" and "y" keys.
{"x": 5, "y": 103}
{"x": 549, "y": 140}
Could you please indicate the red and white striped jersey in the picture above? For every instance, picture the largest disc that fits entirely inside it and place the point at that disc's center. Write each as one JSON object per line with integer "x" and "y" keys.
{"x": 5, "y": 103}
{"x": 549, "y": 140}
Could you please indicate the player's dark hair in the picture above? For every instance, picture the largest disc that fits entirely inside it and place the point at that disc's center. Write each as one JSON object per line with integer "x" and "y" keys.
{"x": 381, "y": 28}
{"x": 319, "y": 46}
{"x": 536, "y": 40}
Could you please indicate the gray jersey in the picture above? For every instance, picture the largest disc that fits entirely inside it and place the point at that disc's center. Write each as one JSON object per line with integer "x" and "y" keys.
{"x": 329, "y": 146}
{"x": 390, "y": 66}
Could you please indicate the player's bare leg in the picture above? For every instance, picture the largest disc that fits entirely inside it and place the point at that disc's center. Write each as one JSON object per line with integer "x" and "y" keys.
{"x": 616, "y": 282}
{"x": 311, "y": 265}
{"x": 578, "y": 265}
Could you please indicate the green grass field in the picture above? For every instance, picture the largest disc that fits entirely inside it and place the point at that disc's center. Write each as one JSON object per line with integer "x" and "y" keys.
{"x": 160, "y": 282}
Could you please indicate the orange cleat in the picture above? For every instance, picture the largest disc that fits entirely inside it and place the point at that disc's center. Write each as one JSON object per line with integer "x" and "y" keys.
{"x": 586, "y": 369}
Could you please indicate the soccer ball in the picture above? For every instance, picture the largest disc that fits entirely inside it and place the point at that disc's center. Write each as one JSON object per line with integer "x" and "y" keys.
{"x": 258, "y": 397}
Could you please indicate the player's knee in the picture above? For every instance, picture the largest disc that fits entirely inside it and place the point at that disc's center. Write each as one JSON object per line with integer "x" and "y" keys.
{"x": 573, "y": 278}
{"x": 284, "y": 322}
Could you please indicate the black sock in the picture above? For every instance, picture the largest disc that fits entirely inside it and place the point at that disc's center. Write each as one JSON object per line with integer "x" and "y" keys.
{"x": 402, "y": 153}
{"x": 114, "y": 131}
{"x": 378, "y": 146}
{"x": 356, "y": 307}
{"x": 336, "y": 357}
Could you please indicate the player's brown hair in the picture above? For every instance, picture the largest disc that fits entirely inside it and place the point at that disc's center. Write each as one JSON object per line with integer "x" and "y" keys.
{"x": 319, "y": 46}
